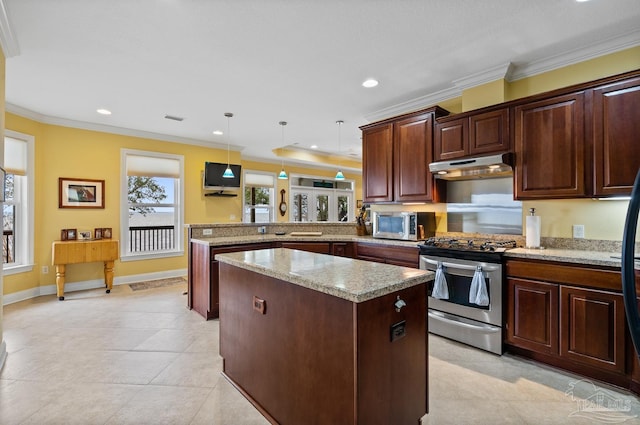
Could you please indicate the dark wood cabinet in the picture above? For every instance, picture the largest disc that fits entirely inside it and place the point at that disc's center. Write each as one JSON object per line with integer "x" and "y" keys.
{"x": 203, "y": 285}
{"x": 203, "y": 282}
{"x": 395, "y": 157}
{"x": 389, "y": 254}
{"x": 315, "y": 358}
{"x": 342, "y": 249}
{"x": 592, "y": 328}
{"x": 317, "y": 247}
{"x": 532, "y": 318}
{"x": 413, "y": 151}
{"x": 478, "y": 133}
{"x": 451, "y": 139}
{"x": 569, "y": 316}
{"x": 616, "y": 130}
{"x": 489, "y": 132}
{"x": 550, "y": 148}
{"x": 377, "y": 163}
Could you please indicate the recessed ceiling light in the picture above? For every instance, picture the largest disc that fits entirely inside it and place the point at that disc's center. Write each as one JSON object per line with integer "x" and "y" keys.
{"x": 582, "y": 1}
{"x": 218, "y": 133}
{"x": 370, "y": 83}
{"x": 314, "y": 146}
{"x": 103, "y": 111}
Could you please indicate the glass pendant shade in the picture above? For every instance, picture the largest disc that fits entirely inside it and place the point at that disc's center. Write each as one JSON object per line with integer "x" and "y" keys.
{"x": 228, "y": 174}
{"x": 283, "y": 174}
{"x": 339, "y": 175}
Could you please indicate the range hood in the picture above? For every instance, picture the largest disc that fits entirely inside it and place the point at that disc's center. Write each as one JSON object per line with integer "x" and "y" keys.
{"x": 474, "y": 168}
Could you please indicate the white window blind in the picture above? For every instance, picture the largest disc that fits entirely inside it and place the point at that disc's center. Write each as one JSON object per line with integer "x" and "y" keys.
{"x": 15, "y": 156}
{"x": 149, "y": 166}
{"x": 258, "y": 180}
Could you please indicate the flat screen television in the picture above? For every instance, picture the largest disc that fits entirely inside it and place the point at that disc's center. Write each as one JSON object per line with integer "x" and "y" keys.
{"x": 213, "y": 180}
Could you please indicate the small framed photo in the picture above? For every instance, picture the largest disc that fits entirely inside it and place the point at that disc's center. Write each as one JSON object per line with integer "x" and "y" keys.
{"x": 72, "y": 234}
{"x": 63, "y": 235}
{"x": 80, "y": 193}
{"x": 106, "y": 233}
{"x": 84, "y": 235}
{"x": 97, "y": 233}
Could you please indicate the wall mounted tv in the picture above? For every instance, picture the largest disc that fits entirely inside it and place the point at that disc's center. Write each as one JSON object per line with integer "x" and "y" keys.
{"x": 213, "y": 180}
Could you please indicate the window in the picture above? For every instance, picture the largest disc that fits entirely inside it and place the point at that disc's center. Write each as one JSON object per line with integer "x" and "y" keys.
{"x": 152, "y": 187}
{"x": 321, "y": 199}
{"x": 17, "y": 211}
{"x": 259, "y": 197}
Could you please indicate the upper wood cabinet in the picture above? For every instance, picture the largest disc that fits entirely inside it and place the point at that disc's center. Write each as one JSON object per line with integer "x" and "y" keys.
{"x": 616, "y": 132}
{"x": 550, "y": 148}
{"x": 395, "y": 158}
{"x": 377, "y": 163}
{"x": 478, "y": 133}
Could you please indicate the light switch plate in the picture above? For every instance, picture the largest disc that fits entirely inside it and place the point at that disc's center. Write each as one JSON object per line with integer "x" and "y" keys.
{"x": 207, "y": 232}
{"x": 578, "y": 231}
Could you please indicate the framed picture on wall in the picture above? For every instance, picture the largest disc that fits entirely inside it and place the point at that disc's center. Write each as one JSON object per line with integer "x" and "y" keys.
{"x": 80, "y": 193}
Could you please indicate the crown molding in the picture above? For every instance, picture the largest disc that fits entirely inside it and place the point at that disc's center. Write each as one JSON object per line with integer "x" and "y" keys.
{"x": 486, "y": 76}
{"x": 414, "y": 104}
{"x": 63, "y": 122}
{"x": 571, "y": 57}
{"x": 511, "y": 72}
{"x": 8, "y": 40}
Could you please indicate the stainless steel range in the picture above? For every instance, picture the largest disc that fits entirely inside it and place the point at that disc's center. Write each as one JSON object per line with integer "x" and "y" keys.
{"x": 465, "y": 299}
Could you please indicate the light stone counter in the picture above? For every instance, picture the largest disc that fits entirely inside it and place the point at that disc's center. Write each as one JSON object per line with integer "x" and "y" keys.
{"x": 238, "y": 240}
{"x": 352, "y": 280}
{"x": 595, "y": 258}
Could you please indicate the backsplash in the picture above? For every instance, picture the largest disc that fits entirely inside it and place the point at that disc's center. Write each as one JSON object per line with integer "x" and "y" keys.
{"x": 250, "y": 229}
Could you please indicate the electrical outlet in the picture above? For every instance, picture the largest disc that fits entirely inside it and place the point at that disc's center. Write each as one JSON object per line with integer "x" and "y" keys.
{"x": 578, "y": 231}
{"x": 232, "y": 217}
{"x": 45, "y": 269}
{"x": 207, "y": 232}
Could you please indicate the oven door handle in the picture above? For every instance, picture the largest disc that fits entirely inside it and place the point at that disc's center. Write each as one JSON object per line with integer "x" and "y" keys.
{"x": 483, "y": 328}
{"x": 485, "y": 268}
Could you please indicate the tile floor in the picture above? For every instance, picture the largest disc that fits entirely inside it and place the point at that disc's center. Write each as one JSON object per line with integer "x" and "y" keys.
{"x": 143, "y": 358}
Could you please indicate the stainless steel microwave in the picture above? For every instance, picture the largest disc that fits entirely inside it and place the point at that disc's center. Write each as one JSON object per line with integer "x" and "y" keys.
{"x": 403, "y": 225}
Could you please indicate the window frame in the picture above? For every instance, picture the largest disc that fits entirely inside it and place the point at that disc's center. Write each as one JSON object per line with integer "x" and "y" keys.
{"x": 124, "y": 210}
{"x": 25, "y": 241}
{"x": 311, "y": 193}
{"x": 272, "y": 194}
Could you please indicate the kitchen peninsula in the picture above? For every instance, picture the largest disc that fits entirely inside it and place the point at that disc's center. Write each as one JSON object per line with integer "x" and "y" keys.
{"x": 308, "y": 336}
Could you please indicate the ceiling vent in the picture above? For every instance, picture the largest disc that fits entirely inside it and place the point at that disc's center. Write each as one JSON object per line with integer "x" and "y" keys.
{"x": 173, "y": 117}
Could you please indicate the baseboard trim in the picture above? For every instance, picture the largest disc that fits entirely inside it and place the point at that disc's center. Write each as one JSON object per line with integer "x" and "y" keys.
{"x": 88, "y": 284}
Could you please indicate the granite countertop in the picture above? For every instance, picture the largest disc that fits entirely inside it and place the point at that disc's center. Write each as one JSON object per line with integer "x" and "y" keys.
{"x": 596, "y": 258}
{"x": 270, "y": 237}
{"x": 349, "y": 279}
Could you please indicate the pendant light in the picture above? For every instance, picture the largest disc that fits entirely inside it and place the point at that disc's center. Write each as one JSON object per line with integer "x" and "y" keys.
{"x": 228, "y": 174}
{"x": 339, "y": 175}
{"x": 283, "y": 174}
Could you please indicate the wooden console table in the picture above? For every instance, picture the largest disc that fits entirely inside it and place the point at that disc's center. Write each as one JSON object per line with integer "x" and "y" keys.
{"x": 74, "y": 252}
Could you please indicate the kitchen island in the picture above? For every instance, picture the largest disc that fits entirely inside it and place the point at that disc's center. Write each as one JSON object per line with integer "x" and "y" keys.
{"x": 314, "y": 338}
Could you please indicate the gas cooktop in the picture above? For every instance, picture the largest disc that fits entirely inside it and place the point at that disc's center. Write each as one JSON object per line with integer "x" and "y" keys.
{"x": 481, "y": 245}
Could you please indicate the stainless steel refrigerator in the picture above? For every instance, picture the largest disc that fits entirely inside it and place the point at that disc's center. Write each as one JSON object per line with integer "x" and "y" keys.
{"x": 628, "y": 269}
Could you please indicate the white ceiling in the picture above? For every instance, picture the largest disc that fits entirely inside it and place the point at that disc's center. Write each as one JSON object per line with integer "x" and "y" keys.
{"x": 301, "y": 61}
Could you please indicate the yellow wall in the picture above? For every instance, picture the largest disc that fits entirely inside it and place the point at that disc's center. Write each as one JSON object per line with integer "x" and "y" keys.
{"x": 71, "y": 152}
